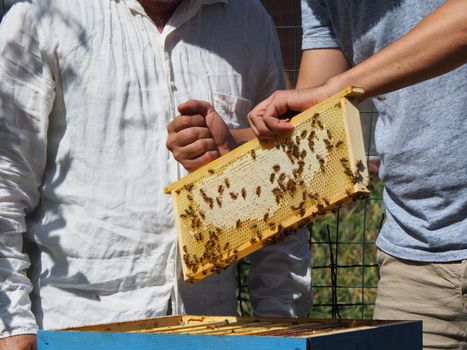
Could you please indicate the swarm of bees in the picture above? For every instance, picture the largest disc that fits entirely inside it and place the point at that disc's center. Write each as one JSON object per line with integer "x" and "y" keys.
{"x": 285, "y": 182}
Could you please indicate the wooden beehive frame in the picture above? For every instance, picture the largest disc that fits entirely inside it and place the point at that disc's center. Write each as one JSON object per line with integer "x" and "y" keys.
{"x": 326, "y": 164}
{"x": 237, "y": 326}
{"x": 233, "y": 333}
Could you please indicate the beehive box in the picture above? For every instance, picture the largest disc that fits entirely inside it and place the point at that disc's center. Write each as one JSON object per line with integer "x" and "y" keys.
{"x": 238, "y": 333}
{"x": 261, "y": 192}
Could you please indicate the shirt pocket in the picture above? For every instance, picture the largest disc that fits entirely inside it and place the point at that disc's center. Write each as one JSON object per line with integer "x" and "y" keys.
{"x": 232, "y": 109}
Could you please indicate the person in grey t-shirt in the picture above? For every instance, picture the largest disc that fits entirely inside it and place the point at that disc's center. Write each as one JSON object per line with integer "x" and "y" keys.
{"x": 415, "y": 53}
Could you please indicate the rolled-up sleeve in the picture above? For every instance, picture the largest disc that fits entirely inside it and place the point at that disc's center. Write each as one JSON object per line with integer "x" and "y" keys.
{"x": 26, "y": 100}
{"x": 317, "y": 29}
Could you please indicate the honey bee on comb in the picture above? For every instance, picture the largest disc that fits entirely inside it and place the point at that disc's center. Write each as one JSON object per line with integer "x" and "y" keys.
{"x": 283, "y": 183}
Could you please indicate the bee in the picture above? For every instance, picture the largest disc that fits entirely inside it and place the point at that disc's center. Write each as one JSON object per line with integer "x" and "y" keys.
{"x": 198, "y": 236}
{"x": 233, "y": 195}
{"x": 328, "y": 132}
{"x": 259, "y": 235}
{"x": 243, "y": 193}
{"x": 291, "y": 185}
{"x": 272, "y": 177}
{"x": 189, "y": 196}
{"x": 258, "y": 191}
{"x": 357, "y": 178}
{"x": 325, "y": 200}
{"x": 226, "y": 246}
{"x": 272, "y": 225}
{"x": 227, "y": 182}
{"x": 338, "y": 143}
{"x": 220, "y": 189}
{"x": 344, "y": 160}
{"x": 185, "y": 249}
{"x": 320, "y": 124}
{"x": 282, "y": 177}
{"x": 360, "y": 165}
{"x": 201, "y": 213}
{"x": 282, "y": 186}
{"x": 238, "y": 223}
{"x": 183, "y": 216}
{"x": 188, "y": 187}
{"x": 276, "y": 168}
{"x": 328, "y": 144}
{"x": 276, "y": 192}
{"x": 210, "y": 202}
{"x": 303, "y": 134}
{"x": 297, "y": 140}
{"x": 253, "y": 154}
{"x": 219, "y": 201}
{"x": 303, "y": 154}
{"x": 211, "y": 171}
{"x": 266, "y": 217}
{"x": 177, "y": 191}
{"x": 302, "y": 211}
{"x": 253, "y": 226}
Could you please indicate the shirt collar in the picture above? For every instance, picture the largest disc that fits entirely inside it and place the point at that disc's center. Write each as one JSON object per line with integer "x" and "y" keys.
{"x": 135, "y": 6}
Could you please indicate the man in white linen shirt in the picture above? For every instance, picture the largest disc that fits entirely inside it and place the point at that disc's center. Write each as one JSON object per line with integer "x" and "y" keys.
{"x": 87, "y": 89}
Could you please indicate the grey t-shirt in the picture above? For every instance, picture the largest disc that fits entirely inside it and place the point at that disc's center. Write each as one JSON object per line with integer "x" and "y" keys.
{"x": 421, "y": 133}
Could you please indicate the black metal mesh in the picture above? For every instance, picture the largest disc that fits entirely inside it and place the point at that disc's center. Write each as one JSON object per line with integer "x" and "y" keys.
{"x": 344, "y": 268}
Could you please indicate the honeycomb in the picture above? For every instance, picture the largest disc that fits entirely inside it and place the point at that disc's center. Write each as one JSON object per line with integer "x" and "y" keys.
{"x": 260, "y": 193}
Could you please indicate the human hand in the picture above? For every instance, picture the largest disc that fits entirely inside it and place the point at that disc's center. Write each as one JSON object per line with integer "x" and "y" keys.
{"x": 265, "y": 119}
{"x": 198, "y": 135}
{"x": 19, "y": 342}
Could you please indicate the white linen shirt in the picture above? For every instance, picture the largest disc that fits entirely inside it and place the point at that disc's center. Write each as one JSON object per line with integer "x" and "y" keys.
{"x": 87, "y": 89}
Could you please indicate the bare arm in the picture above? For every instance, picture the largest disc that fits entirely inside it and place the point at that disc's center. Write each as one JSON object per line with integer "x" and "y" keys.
{"x": 437, "y": 45}
{"x": 19, "y": 342}
{"x": 318, "y": 66}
